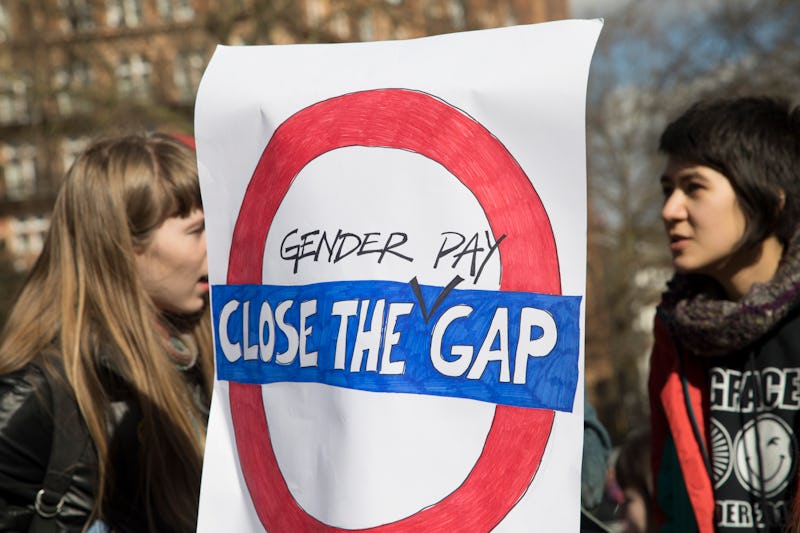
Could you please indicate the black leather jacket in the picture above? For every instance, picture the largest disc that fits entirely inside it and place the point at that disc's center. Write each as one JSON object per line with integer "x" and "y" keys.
{"x": 26, "y": 435}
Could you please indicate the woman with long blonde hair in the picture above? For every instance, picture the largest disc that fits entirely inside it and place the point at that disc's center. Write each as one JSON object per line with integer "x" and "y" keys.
{"x": 106, "y": 360}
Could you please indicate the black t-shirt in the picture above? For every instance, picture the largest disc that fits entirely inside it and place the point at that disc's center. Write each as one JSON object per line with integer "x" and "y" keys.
{"x": 755, "y": 406}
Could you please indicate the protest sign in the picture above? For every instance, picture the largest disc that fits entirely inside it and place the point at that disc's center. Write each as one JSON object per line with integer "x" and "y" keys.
{"x": 397, "y": 236}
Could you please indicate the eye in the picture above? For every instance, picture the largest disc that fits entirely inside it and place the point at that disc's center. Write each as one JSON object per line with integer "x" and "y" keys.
{"x": 666, "y": 189}
{"x": 692, "y": 187}
{"x": 198, "y": 228}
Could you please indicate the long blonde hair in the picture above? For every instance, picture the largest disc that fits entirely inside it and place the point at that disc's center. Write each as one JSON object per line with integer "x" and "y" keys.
{"x": 83, "y": 299}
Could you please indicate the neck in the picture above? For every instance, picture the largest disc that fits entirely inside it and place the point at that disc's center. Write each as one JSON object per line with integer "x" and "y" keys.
{"x": 759, "y": 265}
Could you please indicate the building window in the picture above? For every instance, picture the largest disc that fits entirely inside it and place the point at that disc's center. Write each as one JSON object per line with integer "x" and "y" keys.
{"x": 13, "y": 100}
{"x": 340, "y": 25}
{"x": 366, "y": 26}
{"x": 175, "y": 10}
{"x": 434, "y": 11}
{"x": 19, "y": 171}
{"x": 133, "y": 77}
{"x": 124, "y": 13}
{"x": 77, "y": 15}
{"x": 72, "y": 83}
{"x": 5, "y": 25}
{"x": 315, "y": 12}
{"x": 188, "y": 71}
{"x": 455, "y": 8}
{"x": 71, "y": 148}
{"x": 27, "y": 235}
{"x": 509, "y": 17}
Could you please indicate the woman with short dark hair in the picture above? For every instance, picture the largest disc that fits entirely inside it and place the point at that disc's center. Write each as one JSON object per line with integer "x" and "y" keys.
{"x": 725, "y": 366}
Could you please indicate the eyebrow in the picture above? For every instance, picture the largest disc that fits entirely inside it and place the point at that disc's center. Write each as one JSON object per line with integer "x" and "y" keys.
{"x": 692, "y": 176}
{"x": 198, "y": 221}
{"x": 682, "y": 178}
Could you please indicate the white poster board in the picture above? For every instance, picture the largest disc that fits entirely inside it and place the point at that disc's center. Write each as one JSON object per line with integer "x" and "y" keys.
{"x": 397, "y": 235}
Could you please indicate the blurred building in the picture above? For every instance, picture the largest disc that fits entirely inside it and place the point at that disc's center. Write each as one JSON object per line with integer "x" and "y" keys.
{"x": 70, "y": 69}
{"x": 73, "y": 69}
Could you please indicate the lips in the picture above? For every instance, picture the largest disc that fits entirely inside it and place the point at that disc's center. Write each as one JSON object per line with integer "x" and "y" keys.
{"x": 677, "y": 242}
{"x": 203, "y": 282}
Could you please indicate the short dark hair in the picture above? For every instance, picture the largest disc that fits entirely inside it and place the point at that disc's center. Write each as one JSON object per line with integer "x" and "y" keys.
{"x": 753, "y": 141}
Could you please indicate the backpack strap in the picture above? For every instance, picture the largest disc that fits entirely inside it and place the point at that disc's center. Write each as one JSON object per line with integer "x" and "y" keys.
{"x": 69, "y": 442}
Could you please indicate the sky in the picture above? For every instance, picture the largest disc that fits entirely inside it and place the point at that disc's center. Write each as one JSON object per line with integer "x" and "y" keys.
{"x": 665, "y": 11}
{"x": 587, "y": 9}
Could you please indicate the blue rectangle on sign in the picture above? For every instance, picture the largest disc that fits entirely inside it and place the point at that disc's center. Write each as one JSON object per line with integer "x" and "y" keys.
{"x": 511, "y": 348}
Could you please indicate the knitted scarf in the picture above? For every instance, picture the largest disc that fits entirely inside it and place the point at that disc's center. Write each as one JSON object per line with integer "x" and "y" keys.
{"x": 700, "y": 317}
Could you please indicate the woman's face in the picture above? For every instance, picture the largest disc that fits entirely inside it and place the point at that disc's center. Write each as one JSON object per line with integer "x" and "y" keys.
{"x": 173, "y": 266}
{"x": 702, "y": 217}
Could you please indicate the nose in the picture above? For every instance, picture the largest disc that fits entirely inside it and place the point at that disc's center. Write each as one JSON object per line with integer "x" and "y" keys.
{"x": 674, "y": 207}
{"x": 205, "y": 254}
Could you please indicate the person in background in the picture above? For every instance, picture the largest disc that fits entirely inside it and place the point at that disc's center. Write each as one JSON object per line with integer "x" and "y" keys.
{"x": 596, "y": 449}
{"x": 632, "y": 473}
{"x": 725, "y": 366}
{"x": 105, "y": 361}
{"x": 594, "y": 467}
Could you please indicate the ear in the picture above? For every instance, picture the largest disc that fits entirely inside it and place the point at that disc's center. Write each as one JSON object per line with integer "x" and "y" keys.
{"x": 781, "y": 200}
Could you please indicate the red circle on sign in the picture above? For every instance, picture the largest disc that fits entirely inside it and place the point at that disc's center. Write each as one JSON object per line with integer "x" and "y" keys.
{"x": 417, "y": 122}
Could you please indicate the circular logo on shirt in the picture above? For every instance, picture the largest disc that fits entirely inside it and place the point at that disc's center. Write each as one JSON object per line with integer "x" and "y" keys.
{"x": 765, "y": 453}
{"x": 721, "y": 447}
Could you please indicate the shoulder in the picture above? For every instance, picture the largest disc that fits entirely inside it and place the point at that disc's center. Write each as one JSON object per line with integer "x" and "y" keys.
{"x": 784, "y": 339}
{"x": 26, "y": 400}
{"x": 31, "y": 398}
{"x": 789, "y": 324}
{"x": 27, "y": 386}
{"x": 26, "y": 427}
{"x": 663, "y": 355}
{"x": 34, "y": 385}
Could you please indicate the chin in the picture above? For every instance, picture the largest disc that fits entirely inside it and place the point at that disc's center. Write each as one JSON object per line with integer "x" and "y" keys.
{"x": 195, "y": 309}
{"x": 185, "y": 310}
{"x": 685, "y": 267}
